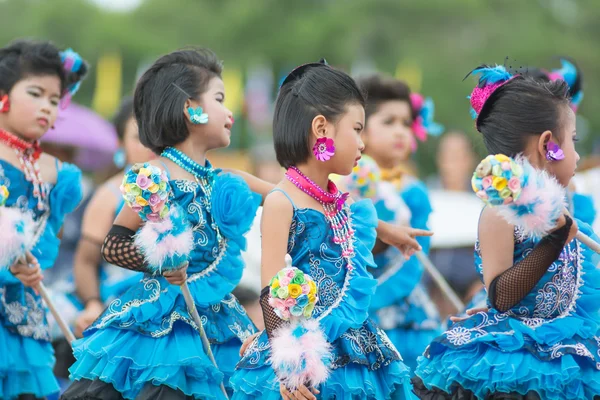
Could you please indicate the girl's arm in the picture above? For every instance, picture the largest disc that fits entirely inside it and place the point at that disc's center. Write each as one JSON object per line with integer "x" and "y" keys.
{"x": 97, "y": 221}
{"x": 275, "y": 227}
{"x": 119, "y": 247}
{"x": 401, "y": 237}
{"x": 257, "y": 185}
{"x": 508, "y": 283}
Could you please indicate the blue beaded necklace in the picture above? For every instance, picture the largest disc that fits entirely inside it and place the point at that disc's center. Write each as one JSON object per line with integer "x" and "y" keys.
{"x": 204, "y": 176}
{"x": 191, "y": 166}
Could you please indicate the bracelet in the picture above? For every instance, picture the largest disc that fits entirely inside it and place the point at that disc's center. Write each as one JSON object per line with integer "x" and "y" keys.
{"x": 85, "y": 303}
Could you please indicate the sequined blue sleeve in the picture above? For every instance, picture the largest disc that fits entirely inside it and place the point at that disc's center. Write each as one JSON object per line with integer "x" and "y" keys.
{"x": 583, "y": 208}
{"x": 64, "y": 198}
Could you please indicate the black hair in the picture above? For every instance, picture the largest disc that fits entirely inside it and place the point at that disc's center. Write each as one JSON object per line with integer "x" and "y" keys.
{"x": 320, "y": 90}
{"x": 122, "y": 116}
{"x": 162, "y": 91}
{"x": 518, "y": 109}
{"x": 536, "y": 74}
{"x": 380, "y": 89}
{"x": 24, "y": 57}
{"x": 542, "y": 75}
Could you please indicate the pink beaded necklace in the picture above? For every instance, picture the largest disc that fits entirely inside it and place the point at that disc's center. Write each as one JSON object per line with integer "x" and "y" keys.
{"x": 336, "y": 211}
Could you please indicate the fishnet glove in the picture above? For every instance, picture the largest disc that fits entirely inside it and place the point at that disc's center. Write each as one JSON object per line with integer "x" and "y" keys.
{"x": 119, "y": 249}
{"x": 272, "y": 321}
{"x": 511, "y": 286}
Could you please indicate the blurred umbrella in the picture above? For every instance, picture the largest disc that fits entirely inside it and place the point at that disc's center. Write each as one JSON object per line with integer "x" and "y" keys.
{"x": 93, "y": 136}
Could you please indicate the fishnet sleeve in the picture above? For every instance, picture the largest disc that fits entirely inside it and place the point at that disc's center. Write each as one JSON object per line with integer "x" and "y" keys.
{"x": 119, "y": 249}
{"x": 511, "y": 286}
{"x": 272, "y": 321}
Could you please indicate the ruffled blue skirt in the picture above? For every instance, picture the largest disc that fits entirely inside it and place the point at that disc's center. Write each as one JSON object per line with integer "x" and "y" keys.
{"x": 129, "y": 360}
{"x": 366, "y": 366}
{"x": 411, "y": 343}
{"x": 484, "y": 370}
{"x": 25, "y": 366}
{"x": 351, "y": 382}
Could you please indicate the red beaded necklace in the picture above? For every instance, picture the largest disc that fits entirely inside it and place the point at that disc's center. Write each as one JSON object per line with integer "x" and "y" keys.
{"x": 28, "y": 154}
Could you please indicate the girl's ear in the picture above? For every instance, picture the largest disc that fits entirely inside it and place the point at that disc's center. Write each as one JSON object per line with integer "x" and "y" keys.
{"x": 319, "y": 127}
{"x": 542, "y": 145}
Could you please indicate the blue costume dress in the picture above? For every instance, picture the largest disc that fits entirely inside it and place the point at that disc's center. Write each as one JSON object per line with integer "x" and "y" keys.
{"x": 401, "y": 305}
{"x": 581, "y": 206}
{"x": 365, "y": 363}
{"x": 548, "y": 343}
{"x": 113, "y": 282}
{"x": 26, "y": 355}
{"x": 146, "y": 338}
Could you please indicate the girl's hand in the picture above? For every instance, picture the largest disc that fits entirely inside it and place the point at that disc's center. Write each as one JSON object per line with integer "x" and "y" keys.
{"x": 247, "y": 343}
{"x": 28, "y": 271}
{"x": 90, "y": 313}
{"x": 302, "y": 393}
{"x": 562, "y": 221}
{"x": 401, "y": 237}
{"x": 178, "y": 276}
{"x": 470, "y": 312}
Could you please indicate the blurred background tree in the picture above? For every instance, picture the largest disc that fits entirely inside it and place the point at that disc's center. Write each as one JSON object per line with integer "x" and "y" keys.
{"x": 432, "y": 44}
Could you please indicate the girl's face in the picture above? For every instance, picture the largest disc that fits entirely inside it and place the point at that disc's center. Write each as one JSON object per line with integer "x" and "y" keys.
{"x": 33, "y": 109}
{"x": 564, "y": 169}
{"x": 135, "y": 152}
{"x": 348, "y": 143}
{"x": 388, "y": 133}
{"x": 217, "y": 132}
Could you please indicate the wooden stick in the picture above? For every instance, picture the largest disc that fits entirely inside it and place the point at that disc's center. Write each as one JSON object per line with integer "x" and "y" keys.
{"x": 189, "y": 301}
{"x": 588, "y": 241}
{"x": 62, "y": 324}
{"x": 440, "y": 281}
{"x": 41, "y": 288}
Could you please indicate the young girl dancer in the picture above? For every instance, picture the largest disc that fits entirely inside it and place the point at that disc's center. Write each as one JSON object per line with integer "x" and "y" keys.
{"x": 580, "y": 205}
{"x": 34, "y": 77}
{"x": 95, "y": 289}
{"x": 328, "y": 237}
{"x": 145, "y": 344}
{"x": 539, "y": 339}
{"x": 401, "y": 304}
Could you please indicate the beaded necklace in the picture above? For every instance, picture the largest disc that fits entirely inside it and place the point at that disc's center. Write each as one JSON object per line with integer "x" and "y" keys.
{"x": 204, "y": 176}
{"x": 336, "y": 211}
{"x": 28, "y": 154}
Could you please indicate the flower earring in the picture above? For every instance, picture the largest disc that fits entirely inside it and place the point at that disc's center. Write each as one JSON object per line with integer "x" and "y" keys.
{"x": 4, "y": 104}
{"x": 324, "y": 149}
{"x": 197, "y": 115}
{"x": 554, "y": 152}
{"x": 119, "y": 158}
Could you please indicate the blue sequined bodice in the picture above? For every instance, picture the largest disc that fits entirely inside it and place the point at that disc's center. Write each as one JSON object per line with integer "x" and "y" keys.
{"x": 312, "y": 250}
{"x": 191, "y": 198}
{"x": 555, "y": 294}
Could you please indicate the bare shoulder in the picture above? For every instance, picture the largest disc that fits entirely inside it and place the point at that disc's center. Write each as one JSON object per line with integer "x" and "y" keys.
{"x": 115, "y": 180}
{"x": 277, "y": 202}
{"x": 49, "y": 166}
{"x": 492, "y": 221}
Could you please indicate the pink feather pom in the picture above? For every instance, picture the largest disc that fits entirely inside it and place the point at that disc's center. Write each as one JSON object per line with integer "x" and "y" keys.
{"x": 540, "y": 204}
{"x": 17, "y": 229}
{"x": 300, "y": 354}
{"x": 166, "y": 244}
